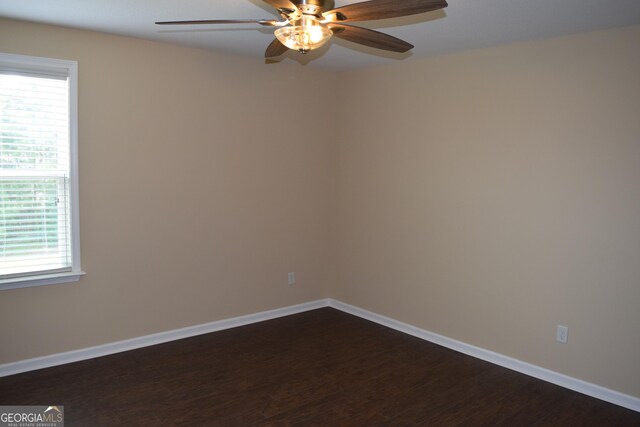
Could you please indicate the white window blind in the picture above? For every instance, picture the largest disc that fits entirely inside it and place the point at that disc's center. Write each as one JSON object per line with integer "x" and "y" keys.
{"x": 36, "y": 215}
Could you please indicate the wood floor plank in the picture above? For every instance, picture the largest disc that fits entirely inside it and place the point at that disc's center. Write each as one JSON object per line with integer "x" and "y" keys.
{"x": 319, "y": 368}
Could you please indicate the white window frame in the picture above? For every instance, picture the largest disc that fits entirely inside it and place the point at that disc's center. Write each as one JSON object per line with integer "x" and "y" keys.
{"x": 44, "y": 66}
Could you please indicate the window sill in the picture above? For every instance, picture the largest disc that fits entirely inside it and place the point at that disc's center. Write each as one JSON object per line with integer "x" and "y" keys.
{"x": 45, "y": 279}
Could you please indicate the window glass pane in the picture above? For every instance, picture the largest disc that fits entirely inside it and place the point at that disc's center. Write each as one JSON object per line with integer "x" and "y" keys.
{"x": 34, "y": 175}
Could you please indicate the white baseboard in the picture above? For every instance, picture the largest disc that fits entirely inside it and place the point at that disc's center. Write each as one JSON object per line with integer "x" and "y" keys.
{"x": 153, "y": 339}
{"x": 562, "y": 380}
{"x": 565, "y": 381}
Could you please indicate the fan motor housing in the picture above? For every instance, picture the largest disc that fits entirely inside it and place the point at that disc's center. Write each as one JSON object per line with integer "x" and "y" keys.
{"x": 321, "y": 4}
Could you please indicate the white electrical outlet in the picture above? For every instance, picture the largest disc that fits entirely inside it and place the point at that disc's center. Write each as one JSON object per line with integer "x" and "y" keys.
{"x": 291, "y": 280}
{"x": 562, "y": 334}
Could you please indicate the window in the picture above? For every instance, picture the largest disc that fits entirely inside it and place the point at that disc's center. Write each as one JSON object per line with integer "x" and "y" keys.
{"x": 39, "y": 228}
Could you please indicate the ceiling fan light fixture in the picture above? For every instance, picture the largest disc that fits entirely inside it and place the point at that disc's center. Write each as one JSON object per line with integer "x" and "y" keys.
{"x": 307, "y": 34}
{"x": 308, "y": 24}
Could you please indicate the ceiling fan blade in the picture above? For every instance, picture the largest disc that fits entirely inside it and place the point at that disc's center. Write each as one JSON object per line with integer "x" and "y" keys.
{"x": 369, "y": 37}
{"x": 281, "y": 4}
{"x": 265, "y": 22}
{"x": 382, "y": 9}
{"x": 275, "y": 49}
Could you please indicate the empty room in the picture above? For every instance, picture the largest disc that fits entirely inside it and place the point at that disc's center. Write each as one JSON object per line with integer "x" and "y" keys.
{"x": 320, "y": 213}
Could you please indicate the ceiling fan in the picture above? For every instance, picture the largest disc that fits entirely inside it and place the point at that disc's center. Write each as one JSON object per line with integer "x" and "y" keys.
{"x": 308, "y": 24}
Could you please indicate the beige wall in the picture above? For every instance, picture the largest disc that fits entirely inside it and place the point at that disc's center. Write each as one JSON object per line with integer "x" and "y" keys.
{"x": 490, "y": 195}
{"x": 486, "y": 196}
{"x": 197, "y": 195}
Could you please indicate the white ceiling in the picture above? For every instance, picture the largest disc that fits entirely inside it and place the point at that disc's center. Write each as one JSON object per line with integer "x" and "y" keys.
{"x": 465, "y": 24}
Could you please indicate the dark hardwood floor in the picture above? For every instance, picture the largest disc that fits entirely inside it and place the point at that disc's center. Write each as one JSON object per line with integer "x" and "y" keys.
{"x": 319, "y": 368}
